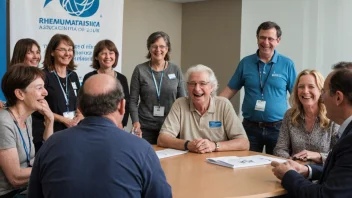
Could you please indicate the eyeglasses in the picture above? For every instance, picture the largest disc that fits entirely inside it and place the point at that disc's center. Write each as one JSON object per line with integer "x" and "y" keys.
{"x": 270, "y": 39}
{"x": 194, "y": 84}
{"x": 154, "y": 47}
{"x": 63, "y": 50}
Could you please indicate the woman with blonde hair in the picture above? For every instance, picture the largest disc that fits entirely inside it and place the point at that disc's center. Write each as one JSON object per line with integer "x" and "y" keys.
{"x": 306, "y": 133}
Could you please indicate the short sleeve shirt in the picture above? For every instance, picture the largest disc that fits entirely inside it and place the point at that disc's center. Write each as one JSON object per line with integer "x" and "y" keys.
{"x": 219, "y": 123}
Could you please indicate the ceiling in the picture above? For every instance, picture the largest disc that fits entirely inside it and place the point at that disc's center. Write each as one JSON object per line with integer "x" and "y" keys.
{"x": 184, "y": 1}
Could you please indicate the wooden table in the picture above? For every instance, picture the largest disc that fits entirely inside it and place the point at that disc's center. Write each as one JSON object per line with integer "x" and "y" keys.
{"x": 190, "y": 176}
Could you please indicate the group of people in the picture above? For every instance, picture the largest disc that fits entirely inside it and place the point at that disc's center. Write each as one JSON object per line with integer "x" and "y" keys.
{"x": 91, "y": 118}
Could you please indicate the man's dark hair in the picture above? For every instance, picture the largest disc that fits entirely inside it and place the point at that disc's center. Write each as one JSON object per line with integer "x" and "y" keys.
{"x": 341, "y": 80}
{"x": 342, "y": 65}
{"x": 101, "y": 104}
{"x": 268, "y": 25}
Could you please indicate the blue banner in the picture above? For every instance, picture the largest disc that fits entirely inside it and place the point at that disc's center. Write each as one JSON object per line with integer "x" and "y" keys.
{"x": 3, "y": 41}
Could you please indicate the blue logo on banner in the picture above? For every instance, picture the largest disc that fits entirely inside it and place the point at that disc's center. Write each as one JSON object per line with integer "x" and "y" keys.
{"x": 79, "y": 8}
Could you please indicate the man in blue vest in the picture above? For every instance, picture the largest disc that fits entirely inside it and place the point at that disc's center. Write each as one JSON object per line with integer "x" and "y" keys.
{"x": 266, "y": 77}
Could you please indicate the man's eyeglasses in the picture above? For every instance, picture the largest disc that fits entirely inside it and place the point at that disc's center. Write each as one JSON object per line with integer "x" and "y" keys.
{"x": 270, "y": 39}
{"x": 63, "y": 50}
{"x": 194, "y": 84}
{"x": 154, "y": 47}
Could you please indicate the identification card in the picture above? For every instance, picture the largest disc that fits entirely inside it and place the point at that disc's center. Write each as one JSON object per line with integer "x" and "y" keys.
{"x": 260, "y": 105}
{"x": 158, "y": 111}
{"x": 172, "y": 76}
{"x": 69, "y": 114}
{"x": 74, "y": 86}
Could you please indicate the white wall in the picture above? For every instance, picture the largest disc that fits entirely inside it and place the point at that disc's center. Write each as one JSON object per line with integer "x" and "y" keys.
{"x": 316, "y": 33}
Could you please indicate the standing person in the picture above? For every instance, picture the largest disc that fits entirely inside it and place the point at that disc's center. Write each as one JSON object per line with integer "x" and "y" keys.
{"x": 306, "y": 133}
{"x": 158, "y": 83}
{"x": 62, "y": 84}
{"x": 266, "y": 77}
{"x": 335, "y": 176}
{"x": 105, "y": 58}
{"x": 26, "y": 51}
{"x": 96, "y": 158}
{"x": 24, "y": 91}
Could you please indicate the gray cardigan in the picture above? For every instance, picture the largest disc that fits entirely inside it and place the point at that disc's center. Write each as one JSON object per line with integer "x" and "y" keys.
{"x": 143, "y": 88}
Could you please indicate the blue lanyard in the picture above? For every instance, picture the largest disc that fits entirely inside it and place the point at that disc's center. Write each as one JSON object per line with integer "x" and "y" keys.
{"x": 262, "y": 85}
{"x": 158, "y": 90}
{"x": 66, "y": 94}
{"x": 23, "y": 142}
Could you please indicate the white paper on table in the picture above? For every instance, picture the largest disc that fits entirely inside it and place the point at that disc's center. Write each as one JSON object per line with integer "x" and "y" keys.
{"x": 240, "y": 162}
{"x": 169, "y": 153}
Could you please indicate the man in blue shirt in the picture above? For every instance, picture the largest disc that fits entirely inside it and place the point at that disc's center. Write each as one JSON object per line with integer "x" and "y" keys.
{"x": 266, "y": 77}
{"x": 96, "y": 158}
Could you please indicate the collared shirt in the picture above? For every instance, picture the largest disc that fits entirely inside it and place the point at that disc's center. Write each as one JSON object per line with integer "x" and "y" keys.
{"x": 218, "y": 123}
{"x": 344, "y": 125}
{"x": 280, "y": 80}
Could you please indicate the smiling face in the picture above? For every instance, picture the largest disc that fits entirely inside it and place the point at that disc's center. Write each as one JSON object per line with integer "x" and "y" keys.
{"x": 63, "y": 54}
{"x": 34, "y": 94}
{"x": 106, "y": 58}
{"x": 308, "y": 91}
{"x": 32, "y": 57}
{"x": 267, "y": 41}
{"x": 158, "y": 50}
{"x": 199, "y": 88}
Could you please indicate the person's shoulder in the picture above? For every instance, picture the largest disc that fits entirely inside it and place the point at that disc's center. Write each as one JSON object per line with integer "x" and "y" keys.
{"x": 120, "y": 76}
{"x": 222, "y": 100}
{"x": 284, "y": 59}
{"x": 4, "y": 114}
{"x": 250, "y": 58}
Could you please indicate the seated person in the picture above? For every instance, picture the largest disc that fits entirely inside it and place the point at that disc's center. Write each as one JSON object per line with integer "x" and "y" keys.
{"x": 306, "y": 133}
{"x": 205, "y": 122}
{"x": 23, "y": 88}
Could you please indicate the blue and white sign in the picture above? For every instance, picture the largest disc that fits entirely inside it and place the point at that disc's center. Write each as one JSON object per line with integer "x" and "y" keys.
{"x": 85, "y": 21}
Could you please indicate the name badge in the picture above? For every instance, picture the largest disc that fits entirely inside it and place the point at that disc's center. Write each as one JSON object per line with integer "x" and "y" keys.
{"x": 172, "y": 76}
{"x": 158, "y": 111}
{"x": 74, "y": 86}
{"x": 214, "y": 124}
{"x": 69, "y": 114}
{"x": 260, "y": 105}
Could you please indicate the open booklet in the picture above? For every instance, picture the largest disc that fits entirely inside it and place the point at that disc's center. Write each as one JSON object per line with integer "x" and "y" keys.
{"x": 240, "y": 162}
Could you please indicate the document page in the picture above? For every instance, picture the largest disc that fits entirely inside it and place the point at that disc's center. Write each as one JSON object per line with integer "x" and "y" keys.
{"x": 169, "y": 153}
{"x": 240, "y": 162}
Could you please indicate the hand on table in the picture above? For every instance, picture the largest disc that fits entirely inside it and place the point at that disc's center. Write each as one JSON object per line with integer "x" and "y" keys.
{"x": 280, "y": 169}
{"x": 201, "y": 146}
{"x": 306, "y": 155}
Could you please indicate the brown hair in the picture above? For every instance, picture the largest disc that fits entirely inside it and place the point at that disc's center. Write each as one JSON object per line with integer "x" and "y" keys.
{"x": 18, "y": 77}
{"x": 155, "y": 36}
{"x": 297, "y": 107}
{"x": 108, "y": 44}
{"x": 20, "y": 50}
{"x": 49, "y": 61}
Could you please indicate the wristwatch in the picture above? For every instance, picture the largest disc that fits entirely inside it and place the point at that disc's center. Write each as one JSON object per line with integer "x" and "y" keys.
{"x": 217, "y": 146}
{"x": 186, "y": 145}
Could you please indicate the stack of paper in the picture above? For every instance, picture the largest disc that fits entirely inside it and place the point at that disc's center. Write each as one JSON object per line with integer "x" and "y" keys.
{"x": 239, "y": 162}
{"x": 169, "y": 153}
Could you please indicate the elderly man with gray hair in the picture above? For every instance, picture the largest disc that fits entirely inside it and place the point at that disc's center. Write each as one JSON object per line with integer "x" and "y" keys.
{"x": 204, "y": 121}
